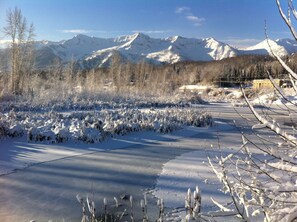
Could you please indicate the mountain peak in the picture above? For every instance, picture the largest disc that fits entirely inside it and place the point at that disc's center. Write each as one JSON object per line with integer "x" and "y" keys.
{"x": 128, "y": 38}
{"x": 140, "y": 35}
{"x": 176, "y": 38}
{"x": 80, "y": 36}
{"x": 266, "y": 46}
{"x": 78, "y": 39}
{"x": 210, "y": 39}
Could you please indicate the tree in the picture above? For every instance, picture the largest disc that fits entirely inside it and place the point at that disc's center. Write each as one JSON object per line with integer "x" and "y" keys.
{"x": 115, "y": 70}
{"x": 21, "y": 48}
{"x": 261, "y": 176}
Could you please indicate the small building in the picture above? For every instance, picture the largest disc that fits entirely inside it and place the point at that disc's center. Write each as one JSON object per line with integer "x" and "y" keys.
{"x": 265, "y": 83}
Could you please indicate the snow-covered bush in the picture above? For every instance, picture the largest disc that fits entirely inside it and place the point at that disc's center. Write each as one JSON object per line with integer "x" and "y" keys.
{"x": 96, "y": 126}
{"x": 100, "y": 101}
{"x": 41, "y": 133}
{"x": 261, "y": 175}
{"x": 10, "y": 125}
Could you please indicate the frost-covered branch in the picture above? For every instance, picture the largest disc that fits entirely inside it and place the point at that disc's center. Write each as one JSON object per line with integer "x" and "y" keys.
{"x": 273, "y": 126}
{"x": 287, "y": 18}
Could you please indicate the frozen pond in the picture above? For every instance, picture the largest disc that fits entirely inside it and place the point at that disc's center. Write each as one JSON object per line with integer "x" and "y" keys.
{"x": 49, "y": 176}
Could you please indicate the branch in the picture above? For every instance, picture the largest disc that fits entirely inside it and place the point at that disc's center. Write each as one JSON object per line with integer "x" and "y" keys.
{"x": 268, "y": 124}
{"x": 287, "y": 20}
{"x": 284, "y": 65}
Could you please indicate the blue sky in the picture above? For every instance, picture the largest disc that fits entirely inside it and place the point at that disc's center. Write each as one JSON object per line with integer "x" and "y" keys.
{"x": 237, "y": 22}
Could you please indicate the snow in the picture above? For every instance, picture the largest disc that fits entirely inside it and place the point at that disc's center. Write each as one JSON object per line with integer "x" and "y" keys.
{"x": 93, "y": 52}
{"x": 263, "y": 48}
{"x": 288, "y": 98}
{"x": 288, "y": 101}
{"x": 128, "y": 163}
{"x": 264, "y": 99}
{"x": 16, "y": 153}
{"x": 33, "y": 130}
{"x": 97, "y": 51}
{"x": 193, "y": 87}
{"x": 91, "y": 127}
{"x": 80, "y": 46}
{"x": 219, "y": 50}
{"x": 55, "y": 135}
{"x": 289, "y": 44}
{"x": 188, "y": 171}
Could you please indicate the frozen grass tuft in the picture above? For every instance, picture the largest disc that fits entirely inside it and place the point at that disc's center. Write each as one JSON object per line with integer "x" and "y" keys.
{"x": 96, "y": 126}
{"x": 116, "y": 212}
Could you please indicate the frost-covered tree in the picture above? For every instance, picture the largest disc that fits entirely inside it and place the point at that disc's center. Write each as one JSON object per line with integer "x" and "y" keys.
{"x": 21, "y": 48}
{"x": 261, "y": 176}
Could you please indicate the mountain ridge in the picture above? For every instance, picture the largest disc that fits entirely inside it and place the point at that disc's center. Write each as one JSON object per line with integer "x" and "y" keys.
{"x": 92, "y": 52}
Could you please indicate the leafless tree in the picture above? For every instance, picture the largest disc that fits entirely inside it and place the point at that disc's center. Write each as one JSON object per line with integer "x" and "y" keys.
{"x": 21, "y": 48}
{"x": 261, "y": 176}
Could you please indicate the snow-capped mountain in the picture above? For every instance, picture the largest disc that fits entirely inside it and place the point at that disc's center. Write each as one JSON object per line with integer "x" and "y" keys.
{"x": 90, "y": 52}
{"x": 289, "y": 44}
{"x": 95, "y": 52}
{"x": 279, "y": 47}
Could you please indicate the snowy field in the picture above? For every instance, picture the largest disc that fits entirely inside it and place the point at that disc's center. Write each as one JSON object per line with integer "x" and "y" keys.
{"x": 155, "y": 158}
{"x": 33, "y": 137}
{"x": 25, "y": 132}
{"x": 109, "y": 152}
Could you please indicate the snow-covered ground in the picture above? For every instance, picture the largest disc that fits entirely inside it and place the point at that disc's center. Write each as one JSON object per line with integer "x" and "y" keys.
{"x": 184, "y": 149}
{"x": 190, "y": 170}
{"x": 131, "y": 133}
{"x": 34, "y": 137}
{"x": 234, "y": 95}
{"x": 275, "y": 99}
{"x": 20, "y": 159}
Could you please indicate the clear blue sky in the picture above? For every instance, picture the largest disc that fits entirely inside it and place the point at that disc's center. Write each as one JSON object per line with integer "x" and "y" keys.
{"x": 237, "y": 22}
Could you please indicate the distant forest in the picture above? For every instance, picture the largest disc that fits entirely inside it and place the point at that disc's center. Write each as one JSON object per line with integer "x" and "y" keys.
{"x": 168, "y": 77}
{"x": 124, "y": 76}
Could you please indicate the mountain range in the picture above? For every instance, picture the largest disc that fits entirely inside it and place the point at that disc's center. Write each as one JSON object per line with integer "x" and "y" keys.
{"x": 90, "y": 52}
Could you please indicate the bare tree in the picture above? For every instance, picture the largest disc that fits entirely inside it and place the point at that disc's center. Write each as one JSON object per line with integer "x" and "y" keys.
{"x": 115, "y": 70}
{"x": 21, "y": 47}
{"x": 261, "y": 176}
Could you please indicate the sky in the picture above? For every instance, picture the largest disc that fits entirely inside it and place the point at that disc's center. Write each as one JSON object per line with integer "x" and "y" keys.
{"x": 239, "y": 23}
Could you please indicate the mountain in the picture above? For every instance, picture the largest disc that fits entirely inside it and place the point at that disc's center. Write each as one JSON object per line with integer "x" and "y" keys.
{"x": 139, "y": 47}
{"x": 279, "y": 47}
{"x": 289, "y": 44}
{"x": 90, "y": 52}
